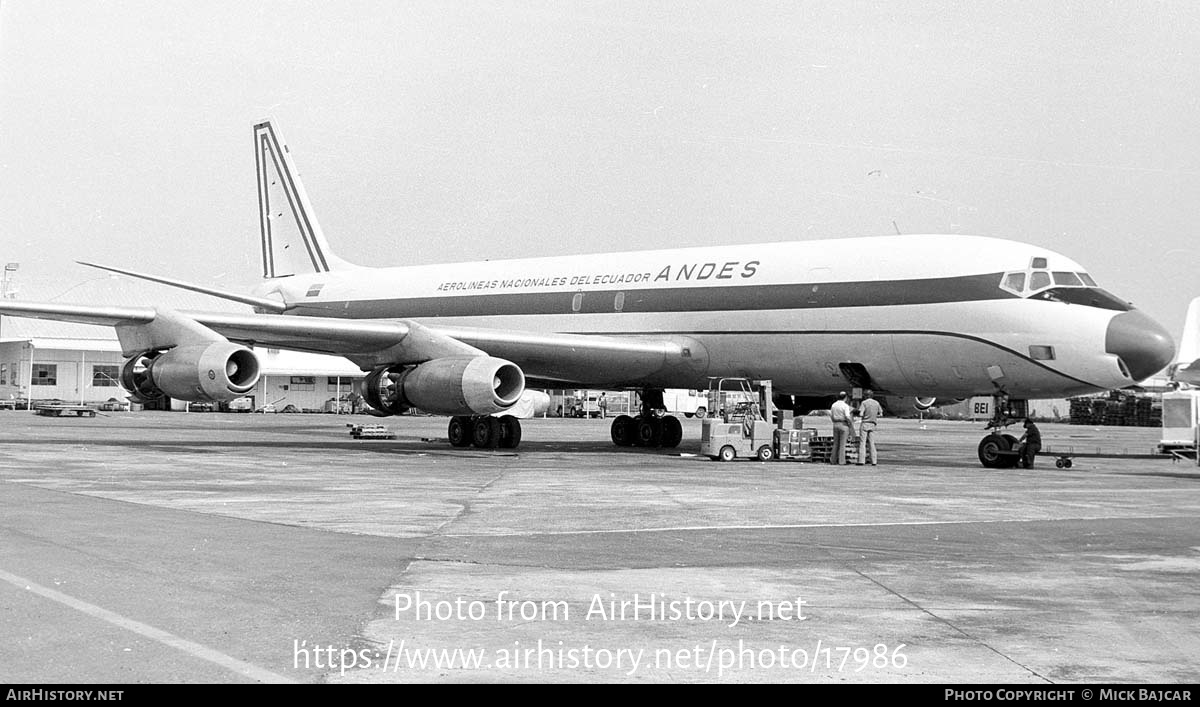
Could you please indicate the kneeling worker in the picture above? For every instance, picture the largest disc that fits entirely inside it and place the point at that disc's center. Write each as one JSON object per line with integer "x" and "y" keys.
{"x": 1031, "y": 443}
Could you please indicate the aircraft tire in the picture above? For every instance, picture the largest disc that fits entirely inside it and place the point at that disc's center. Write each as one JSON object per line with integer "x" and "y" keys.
{"x": 510, "y": 432}
{"x": 623, "y": 427}
{"x": 990, "y": 448}
{"x": 649, "y": 432}
{"x": 1010, "y": 462}
{"x": 672, "y": 432}
{"x": 485, "y": 432}
{"x": 459, "y": 431}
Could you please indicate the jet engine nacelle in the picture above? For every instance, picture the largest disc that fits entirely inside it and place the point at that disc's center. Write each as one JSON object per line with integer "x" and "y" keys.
{"x": 923, "y": 404}
{"x": 217, "y": 371}
{"x": 455, "y": 385}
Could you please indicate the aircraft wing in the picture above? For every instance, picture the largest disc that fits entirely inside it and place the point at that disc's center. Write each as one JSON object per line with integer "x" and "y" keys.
{"x": 546, "y": 358}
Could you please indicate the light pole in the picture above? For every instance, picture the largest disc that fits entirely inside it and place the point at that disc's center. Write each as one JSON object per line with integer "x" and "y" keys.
{"x": 9, "y": 268}
{"x": 4, "y": 285}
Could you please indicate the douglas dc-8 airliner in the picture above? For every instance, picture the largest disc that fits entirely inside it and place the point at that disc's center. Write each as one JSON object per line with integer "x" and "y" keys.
{"x": 926, "y": 316}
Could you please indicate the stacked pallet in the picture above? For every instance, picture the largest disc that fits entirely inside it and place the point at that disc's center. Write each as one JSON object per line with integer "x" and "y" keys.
{"x": 1116, "y": 409}
{"x": 822, "y": 449}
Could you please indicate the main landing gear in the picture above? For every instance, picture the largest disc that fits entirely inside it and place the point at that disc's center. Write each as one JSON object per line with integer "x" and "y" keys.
{"x": 485, "y": 431}
{"x": 998, "y": 450}
{"x": 647, "y": 428}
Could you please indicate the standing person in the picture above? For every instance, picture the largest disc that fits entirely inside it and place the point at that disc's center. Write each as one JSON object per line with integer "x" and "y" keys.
{"x": 603, "y": 406}
{"x": 871, "y": 411}
{"x": 840, "y": 415}
{"x": 1031, "y": 443}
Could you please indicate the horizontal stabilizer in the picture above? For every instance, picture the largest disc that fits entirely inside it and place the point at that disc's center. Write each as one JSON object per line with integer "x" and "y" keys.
{"x": 1187, "y": 373}
{"x": 262, "y": 303}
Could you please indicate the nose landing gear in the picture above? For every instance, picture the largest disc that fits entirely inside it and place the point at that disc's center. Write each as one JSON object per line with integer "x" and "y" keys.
{"x": 1000, "y": 450}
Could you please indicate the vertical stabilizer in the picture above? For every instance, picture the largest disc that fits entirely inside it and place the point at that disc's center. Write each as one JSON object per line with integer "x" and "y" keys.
{"x": 1186, "y": 368}
{"x": 292, "y": 241}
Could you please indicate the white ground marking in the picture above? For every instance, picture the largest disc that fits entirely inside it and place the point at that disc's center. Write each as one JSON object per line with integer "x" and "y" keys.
{"x": 240, "y": 667}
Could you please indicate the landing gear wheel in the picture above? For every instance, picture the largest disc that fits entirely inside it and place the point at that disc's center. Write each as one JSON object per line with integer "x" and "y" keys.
{"x": 485, "y": 432}
{"x": 765, "y": 453}
{"x": 1011, "y": 461}
{"x": 649, "y": 432}
{"x": 1060, "y": 463}
{"x": 672, "y": 432}
{"x": 510, "y": 432}
{"x": 459, "y": 431}
{"x": 623, "y": 428}
{"x": 727, "y": 454}
{"x": 990, "y": 449}
{"x": 1067, "y": 463}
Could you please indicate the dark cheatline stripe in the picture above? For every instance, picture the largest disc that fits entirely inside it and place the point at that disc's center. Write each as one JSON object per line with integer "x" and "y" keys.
{"x": 970, "y": 288}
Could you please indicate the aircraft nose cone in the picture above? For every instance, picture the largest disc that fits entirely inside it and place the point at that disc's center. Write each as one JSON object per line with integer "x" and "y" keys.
{"x": 1139, "y": 341}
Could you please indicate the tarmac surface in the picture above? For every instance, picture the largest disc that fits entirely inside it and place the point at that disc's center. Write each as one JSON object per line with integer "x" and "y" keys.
{"x": 202, "y": 547}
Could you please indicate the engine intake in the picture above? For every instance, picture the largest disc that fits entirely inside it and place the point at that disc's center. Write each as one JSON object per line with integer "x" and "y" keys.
{"x": 924, "y": 403}
{"x": 211, "y": 372}
{"x": 455, "y": 385}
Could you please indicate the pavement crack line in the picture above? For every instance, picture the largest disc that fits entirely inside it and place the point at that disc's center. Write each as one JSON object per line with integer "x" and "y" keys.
{"x": 466, "y": 506}
{"x": 950, "y": 624}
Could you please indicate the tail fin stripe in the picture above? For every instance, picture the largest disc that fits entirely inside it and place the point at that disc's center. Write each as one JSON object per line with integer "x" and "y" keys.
{"x": 289, "y": 247}
{"x": 264, "y": 209}
{"x": 299, "y": 215}
{"x": 298, "y": 212}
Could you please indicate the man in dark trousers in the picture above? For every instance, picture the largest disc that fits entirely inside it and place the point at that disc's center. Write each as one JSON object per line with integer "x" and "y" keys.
{"x": 870, "y": 411}
{"x": 1030, "y": 443}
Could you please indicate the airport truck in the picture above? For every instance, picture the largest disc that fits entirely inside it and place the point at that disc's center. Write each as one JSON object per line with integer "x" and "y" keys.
{"x": 689, "y": 403}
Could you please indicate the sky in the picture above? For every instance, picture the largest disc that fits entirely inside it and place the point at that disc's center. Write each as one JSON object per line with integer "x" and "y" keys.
{"x": 455, "y": 131}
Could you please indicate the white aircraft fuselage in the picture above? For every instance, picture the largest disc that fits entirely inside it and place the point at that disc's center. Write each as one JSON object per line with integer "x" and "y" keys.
{"x": 923, "y": 315}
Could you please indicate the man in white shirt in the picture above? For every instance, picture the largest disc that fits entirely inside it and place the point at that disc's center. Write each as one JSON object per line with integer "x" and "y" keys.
{"x": 871, "y": 411}
{"x": 840, "y": 415}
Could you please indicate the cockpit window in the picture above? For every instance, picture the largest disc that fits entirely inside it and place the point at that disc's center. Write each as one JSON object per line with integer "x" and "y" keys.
{"x": 1058, "y": 286}
{"x": 1088, "y": 297}
{"x": 1014, "y": 282}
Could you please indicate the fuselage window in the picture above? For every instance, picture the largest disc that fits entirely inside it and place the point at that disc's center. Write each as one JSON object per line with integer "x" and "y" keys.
{"x": 1038, "y": 263}
{"x": 619, "y": 301}
{"x": 1067, "y": 279}
{"x": 577, "y": 302}
{"x": 1041, "y": 353}
{"x": 1087, "y": 279}
{"x": 1038, "y": 280}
